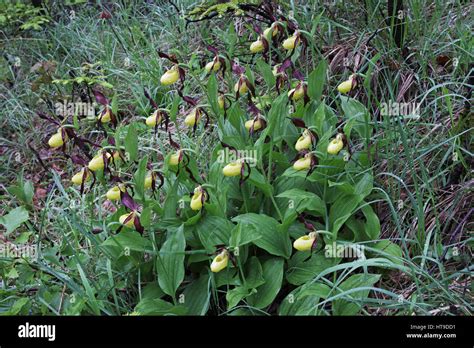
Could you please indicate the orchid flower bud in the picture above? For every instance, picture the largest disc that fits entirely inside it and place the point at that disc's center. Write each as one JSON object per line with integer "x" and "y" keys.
{"x": 220, "y": 261}
{"x": 113, "y": 194}
{"x": 128, "y": 219}
{"x": 297, "y": 93}
{"x": 97, "y": 162}
{"x": 243, "y": 86}
{"x": 198, "y": 198}
{"x": 305, "y": 243}
{"x": 304, "y": 141}
{"x": 257, "y": 124}
{"x": 191, "y": 118}
{"x": 105, "y": 116}
{"x": 346, "y": 86}
{"x": 78, "y": 178}
{"x": 149, "y": 180}
{"x": 291, "y": 42}
{"x": 336, "y": 145}
{"x": 57, "y": 140}
{"x": 175, "y": 158}
{"x": 232, "y": 169}
{"x": 221, "y": 102}
{"x": 170, "y": 76}
{"x": 273, "y": 29}
{"x": 303, "y": 163}
{"x": 154, "y": 119}
{"x": 257, "y": 46}
{"x": 275, "y": 70}
{"x": 213, "y": 65}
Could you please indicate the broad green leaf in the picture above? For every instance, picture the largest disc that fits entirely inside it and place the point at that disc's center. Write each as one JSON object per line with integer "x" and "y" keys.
{"x": 131, "y": 240}
{"x": 14, "y": 219}
{"x": 17, "y": 307}
{"x": 24, "y": 191}
{"x": 131, "y": 142}
{"x": 212, "y": 93}
{"x": 197, "y": 296}
{"x": 342, "y": 210}
{"x": 175, "y": 107}
{"x": 266, "y": 72}
{"x": 301, "y": 269}
{"x": 214, "y": 230}
{"x": 358, "y": 116}
{"x": 276, "y": 119}
{"x": 257, "y": 179}
{"x": 266, "y": 293}
{"x": 372, "y": 224}
{"x": 303, "y": 201}
{"x": 303, "y": 300}
{"x": 253, "y": 273}
{"x": 316, "y": 81}
{"x": 273, "y": 238}
{"x": 364, "y": 187}
{"x": 171, "y": 201}
{"x": 139, "y": 178}
{"x": 390, "y": 251}
{"x": 152, "y": 290}
{"x": 241, "y": 236}
{"x": 364, "y": 230}
{"x": 170, "y": 261}
{"x": 235, "y": 295}
{"x": 353, "y": 306}
{"x": 150, "y": 306}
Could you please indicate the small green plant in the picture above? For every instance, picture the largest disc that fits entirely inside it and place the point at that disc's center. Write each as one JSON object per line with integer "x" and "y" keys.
{"x": 231, "y": 223}
{"x": 241, "y": 166}
{"x": 24, "y": 16}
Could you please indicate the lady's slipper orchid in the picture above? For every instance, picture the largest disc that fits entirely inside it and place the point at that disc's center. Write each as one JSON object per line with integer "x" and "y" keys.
{"x": 80, "y": 177}
{"x": 170, "y": 76}
{"x": 242, "y": 89}
{"x": 275, "y": 70}
{"x": 149, "y": 180}
{"x": 291, "y": 42}
{"x": 198, "y": 198}
{"x": 97, "y": 162}
{"x": 154, "y": 119}
{"x": 336, "y": 144}
{"x": 273, "y": 29}
{"x": 346, "y": 86}
{"x": 232, "y": 169}
{"x": 213, "y": 65}
{"x": 58, "y": 139}
{"x": 128, "y": 219}
{"x": 298, "y": 92}
{"x": 254, "y": 124}
{"x": 191, "y": 118}
{"x": 221, "y": 102}
{"x": 305, "y": 243}
{"x": 304, "y": 141}
{"x": 220, "y": 261}
{"x": 304, "y": 163}
{"x": 257, "y": 46}
{"x": 175, "y": 158}
{"x": 105, "y": 116}
{"x": 113, "y": 194}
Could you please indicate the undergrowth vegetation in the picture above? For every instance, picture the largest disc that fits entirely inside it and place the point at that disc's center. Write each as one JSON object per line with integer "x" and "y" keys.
{"x": 236, "y": 158}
